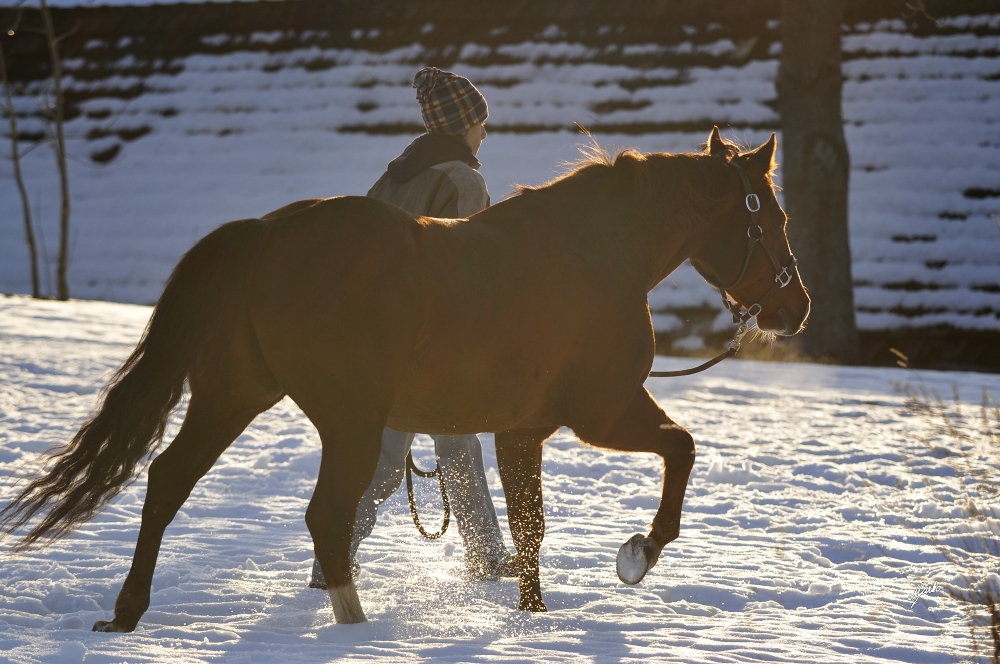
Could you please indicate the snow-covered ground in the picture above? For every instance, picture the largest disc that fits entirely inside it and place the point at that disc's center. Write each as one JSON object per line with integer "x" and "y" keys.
{"x": 261, "y": 119}
{"x": 813, "y": 516}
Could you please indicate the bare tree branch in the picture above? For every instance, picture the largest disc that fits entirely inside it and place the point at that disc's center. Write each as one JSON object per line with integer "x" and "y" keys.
{"x": 29, "y": 150}
{"x": 15, "y": 157}
{"x": 69, "y": 32}
{"x": 62, "y": 283}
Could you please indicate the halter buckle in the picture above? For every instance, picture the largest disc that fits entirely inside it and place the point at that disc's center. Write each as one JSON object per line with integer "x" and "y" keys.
{"x": 784, "y": 277}
{"x": 741, "y": 331}
{"x": 753, "y": 202}
{"x": 754, "y": 310}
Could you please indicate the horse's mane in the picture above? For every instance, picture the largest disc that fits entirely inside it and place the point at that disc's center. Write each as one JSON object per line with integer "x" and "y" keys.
{"x": 695, "y": 182}
{"x": 593, "y": 165}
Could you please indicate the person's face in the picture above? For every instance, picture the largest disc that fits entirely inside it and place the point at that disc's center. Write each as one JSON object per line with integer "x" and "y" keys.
{"x": 474, "y": 136}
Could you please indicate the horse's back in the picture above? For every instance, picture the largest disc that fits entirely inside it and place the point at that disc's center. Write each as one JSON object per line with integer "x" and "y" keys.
{"x": 446, "y": 315}
{"x": 463, "y": 326}
{"x": 346, "y": 241}
{"x": 335, "y": 296}
{"x": 291, "y": 208}
{"x": 513, "y": 322}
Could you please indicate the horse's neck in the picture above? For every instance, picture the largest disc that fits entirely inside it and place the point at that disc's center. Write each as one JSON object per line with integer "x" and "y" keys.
{"x": 610, "y": 229}
{"x": 641, "y": 236}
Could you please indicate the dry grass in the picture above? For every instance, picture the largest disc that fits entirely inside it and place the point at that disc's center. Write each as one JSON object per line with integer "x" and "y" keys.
{"x": 968, "y": 442}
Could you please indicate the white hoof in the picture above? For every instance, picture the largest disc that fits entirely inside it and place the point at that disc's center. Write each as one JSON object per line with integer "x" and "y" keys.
{"x": 636, "y": 557}
{"x": 346, "y": 604}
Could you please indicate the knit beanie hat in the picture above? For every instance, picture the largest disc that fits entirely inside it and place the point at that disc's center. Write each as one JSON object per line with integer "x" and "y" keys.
{"x": 449, "y": 103}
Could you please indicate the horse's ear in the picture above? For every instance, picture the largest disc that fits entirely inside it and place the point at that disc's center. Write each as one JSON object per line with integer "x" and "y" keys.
{"x": 764, "y": 155}
{"x": 715, "y": 145}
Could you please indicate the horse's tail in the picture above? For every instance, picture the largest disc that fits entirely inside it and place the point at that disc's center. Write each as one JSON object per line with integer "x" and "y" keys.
{"x": 207, "y": 289}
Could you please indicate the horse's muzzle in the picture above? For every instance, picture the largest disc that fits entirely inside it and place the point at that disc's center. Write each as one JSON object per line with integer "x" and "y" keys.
{"x": 793, "y": 324}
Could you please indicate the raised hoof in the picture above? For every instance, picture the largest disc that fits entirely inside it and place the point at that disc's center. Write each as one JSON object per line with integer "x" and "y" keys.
{"x": 636, "y": 557}
{"x": 109, "y": 626}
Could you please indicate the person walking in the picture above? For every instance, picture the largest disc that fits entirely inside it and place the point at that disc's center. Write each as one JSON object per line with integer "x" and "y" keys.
{"x": 436, "y": 176}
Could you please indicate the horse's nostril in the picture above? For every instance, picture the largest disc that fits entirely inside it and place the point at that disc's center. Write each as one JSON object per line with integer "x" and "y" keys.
{"x": 786, "y": 320}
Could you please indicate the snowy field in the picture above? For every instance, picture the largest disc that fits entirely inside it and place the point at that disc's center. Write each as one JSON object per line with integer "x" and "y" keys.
{"x": 813, "y": 516}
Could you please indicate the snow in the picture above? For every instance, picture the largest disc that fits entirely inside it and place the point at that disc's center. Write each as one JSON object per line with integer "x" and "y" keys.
{"x": 816, "y": 525}
{"x": 239, "y": 133}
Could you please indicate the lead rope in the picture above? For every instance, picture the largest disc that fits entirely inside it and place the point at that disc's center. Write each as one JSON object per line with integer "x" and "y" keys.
{"x": 734, "y": 347}
{"x": 410, "y": 466}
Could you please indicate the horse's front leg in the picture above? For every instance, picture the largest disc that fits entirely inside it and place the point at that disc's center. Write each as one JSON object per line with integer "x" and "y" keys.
{"x": 519, "y": 457}
{"x": 350, "y": 457}
{"x": 644, "y": 427}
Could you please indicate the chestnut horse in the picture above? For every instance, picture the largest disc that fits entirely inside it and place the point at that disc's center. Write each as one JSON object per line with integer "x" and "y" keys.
{"x": 529, "y": 316}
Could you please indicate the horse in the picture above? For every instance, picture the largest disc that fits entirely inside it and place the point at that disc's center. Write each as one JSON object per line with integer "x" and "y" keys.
{"x": 529, "y": 316}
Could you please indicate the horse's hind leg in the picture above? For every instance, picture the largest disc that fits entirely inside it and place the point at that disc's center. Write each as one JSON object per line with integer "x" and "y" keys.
{"x": 225, "y": 398}
{"x": 519, "y": 460}
{"x": 644, "y": 427}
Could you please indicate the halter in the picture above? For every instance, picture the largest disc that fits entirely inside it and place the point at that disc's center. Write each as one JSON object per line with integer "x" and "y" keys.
{"x": 741, "y": 314}
{"x": 782, "y": 277}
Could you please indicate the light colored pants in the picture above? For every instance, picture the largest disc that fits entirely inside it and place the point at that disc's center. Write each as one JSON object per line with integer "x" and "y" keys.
{"x": 461, "y": 461}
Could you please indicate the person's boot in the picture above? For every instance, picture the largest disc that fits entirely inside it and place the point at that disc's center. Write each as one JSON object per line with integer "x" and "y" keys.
{"x": 508, "y": 568}
{"x": 491, "y": 569}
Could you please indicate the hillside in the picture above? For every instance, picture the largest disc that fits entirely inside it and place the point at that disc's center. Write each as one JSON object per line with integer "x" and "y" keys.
{"x": 185, "y": 117}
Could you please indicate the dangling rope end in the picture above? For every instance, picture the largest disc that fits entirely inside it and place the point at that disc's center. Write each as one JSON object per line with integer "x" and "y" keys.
{"x": 412, "y": 467}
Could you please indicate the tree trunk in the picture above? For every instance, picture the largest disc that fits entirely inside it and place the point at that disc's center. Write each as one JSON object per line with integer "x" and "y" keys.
{"x": 15, "y": 156}
{"x": 815, "y": 171}
{"x": 62, "y": 282}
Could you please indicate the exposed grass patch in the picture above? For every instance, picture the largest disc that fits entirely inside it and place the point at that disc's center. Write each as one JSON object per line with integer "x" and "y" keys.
{"x": 605, "y": 107}
{"x": 640, "y": 82}
{"x": 127, "y": 134}
{"x": 914, "y": 238}
{"x": 913, "y": 285}
{"x": 981, "y": 192}
{"x": 107, "y": 155}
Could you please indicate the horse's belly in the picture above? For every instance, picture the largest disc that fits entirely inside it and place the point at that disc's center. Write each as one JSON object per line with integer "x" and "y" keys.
{"x": 472, "y": 410}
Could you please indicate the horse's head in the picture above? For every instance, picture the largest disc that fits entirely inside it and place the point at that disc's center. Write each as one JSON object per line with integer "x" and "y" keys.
{"x": 745, "y": 253}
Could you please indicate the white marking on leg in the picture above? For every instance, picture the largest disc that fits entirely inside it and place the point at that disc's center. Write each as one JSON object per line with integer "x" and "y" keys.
{"x": 346, "y": 604}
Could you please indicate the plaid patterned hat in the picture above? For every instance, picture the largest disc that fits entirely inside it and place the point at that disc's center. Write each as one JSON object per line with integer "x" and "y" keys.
{"x": 449, "y": 103}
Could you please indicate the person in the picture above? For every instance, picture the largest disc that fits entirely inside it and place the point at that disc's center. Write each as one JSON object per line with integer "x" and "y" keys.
{"x": 436, "y": 176}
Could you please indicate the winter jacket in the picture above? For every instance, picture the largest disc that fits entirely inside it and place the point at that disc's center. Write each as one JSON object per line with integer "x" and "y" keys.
{"x": 435, "y": 176}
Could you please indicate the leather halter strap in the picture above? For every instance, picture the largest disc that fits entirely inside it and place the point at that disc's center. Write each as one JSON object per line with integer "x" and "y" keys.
{"x": 782, "y": 274}
{"x": 741, "y": 314}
